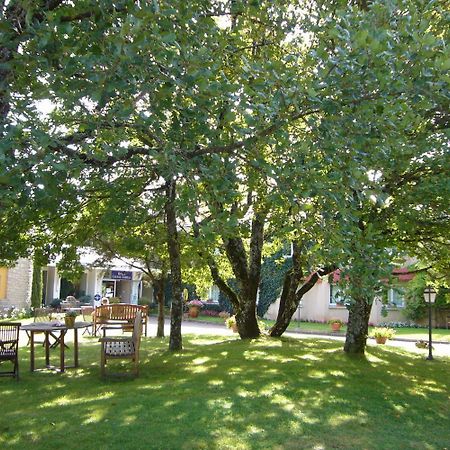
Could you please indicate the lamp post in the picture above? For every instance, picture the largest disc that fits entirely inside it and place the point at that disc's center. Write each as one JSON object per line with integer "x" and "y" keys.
{"x": 429, "y": 296}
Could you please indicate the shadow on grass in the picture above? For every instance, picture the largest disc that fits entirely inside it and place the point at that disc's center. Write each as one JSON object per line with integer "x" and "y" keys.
{"x": 227, "y": 393}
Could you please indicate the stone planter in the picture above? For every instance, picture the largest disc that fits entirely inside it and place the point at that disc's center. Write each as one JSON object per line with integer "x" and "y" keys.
{"x": 193, "y": 311}
{"x": 335, "y": 326}
{"x": 69, "y": 321}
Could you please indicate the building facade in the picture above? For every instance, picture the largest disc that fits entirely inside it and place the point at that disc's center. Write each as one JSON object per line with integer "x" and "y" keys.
{"x": 121, "y": 279}
{"x": 15, "y": 285}
{"x": 322, "y": 303}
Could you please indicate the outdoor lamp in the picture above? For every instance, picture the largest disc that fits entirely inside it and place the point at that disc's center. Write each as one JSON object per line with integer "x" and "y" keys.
{"x": 430, "y": 296}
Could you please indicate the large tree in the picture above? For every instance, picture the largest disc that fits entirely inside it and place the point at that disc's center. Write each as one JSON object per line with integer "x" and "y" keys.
{"x": 144, "y": 96}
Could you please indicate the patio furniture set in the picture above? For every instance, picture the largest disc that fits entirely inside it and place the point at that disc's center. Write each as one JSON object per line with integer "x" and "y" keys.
{"x": 123, "y": 317}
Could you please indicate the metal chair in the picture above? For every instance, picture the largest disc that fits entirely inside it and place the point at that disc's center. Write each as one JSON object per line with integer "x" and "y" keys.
{"x": 122, "y": 348}
{"x": 9, "y": 347}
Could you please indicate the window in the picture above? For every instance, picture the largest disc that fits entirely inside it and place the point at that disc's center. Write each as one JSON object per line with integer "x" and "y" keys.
{"x": 396, "y": 297}
{"x": 336, "y": 295}
{"x": 3, "y": 282}
{"x": 288, "y": 250}
{"x": 214, "y": 293}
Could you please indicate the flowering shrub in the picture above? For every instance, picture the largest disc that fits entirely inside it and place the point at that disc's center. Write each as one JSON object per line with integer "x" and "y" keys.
{"x": 331, "y": 321}
{"x": 388, "y": 333}
{"x": 224, "y": 314}
{"x": 16, "y": 313}
{"x": 210, "y": 313}
{"x": 401, "y": 325}
{"x": 197, "y": 303}
{"x": 230, "y": 322}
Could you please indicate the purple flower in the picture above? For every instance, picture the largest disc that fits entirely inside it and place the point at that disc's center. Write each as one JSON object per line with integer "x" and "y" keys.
{"x": 197, "y": 303}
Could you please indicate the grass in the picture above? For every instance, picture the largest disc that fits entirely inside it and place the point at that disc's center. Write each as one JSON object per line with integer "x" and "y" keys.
{"x": 439, "y": 334}
{"x": 224, "y": 393}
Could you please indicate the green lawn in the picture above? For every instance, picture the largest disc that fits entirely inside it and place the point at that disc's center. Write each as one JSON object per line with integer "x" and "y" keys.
{"x": 407, "y": 333}
{"x": 224, "y": 393}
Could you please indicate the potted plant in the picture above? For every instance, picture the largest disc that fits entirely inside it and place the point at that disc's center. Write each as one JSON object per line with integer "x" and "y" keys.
{"x": 194, "y": 307}
{"x": 230, "y": 322}
{"x": 335, "y": 324}
{"x": 69, "y": 318}
{"x": 382, "y": 334}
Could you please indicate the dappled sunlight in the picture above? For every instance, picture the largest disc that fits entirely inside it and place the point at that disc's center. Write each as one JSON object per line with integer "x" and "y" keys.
{"x": 310, "y": 357}
{"x": 356, "y": 418}
{"x": 269, "y": 393}
{"x": 336, "y": 373}
{"x": 201, "y": 360}
{"x": 65, "y": 400}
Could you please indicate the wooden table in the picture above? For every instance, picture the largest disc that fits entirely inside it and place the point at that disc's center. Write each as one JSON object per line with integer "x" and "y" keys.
{"x": 52, "y": 327}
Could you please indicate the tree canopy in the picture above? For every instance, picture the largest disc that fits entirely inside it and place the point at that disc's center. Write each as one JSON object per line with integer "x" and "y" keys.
{"x": 324, "y": 123}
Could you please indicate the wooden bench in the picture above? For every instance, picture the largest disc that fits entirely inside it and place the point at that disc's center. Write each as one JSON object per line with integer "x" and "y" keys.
{"x": 120, "y": 316}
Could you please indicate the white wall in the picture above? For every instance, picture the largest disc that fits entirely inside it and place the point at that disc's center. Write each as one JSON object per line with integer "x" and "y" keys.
{"x": 316, "y": 306}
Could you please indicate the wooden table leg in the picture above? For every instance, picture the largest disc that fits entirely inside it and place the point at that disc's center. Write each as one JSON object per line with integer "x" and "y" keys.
{"x": 47, "y": 348}
{"x": 31, "y": 351}
{"x": 75, "y": 346}
{"x": 61, "y": 351}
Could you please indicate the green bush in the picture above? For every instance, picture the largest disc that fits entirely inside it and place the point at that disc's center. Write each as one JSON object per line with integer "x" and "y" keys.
{"x": 85, "y": 299}
{"x": 56, "y": 303}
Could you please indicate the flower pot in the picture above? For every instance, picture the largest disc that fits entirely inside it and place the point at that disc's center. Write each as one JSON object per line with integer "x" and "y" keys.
{"x": 69, "y": 321}
{"x": 234, "y": 328}
{"x": 381, "y": 339}
{"x": 193, "y": 311}
{"x": 335, "y": 326}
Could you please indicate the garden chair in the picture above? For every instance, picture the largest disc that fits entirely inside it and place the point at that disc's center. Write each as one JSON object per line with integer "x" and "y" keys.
{"x": 41, "y": 315}
{"x": 9, "y": 347}
{"x": 87, "y": 313}
{"x": 122, "y": 347}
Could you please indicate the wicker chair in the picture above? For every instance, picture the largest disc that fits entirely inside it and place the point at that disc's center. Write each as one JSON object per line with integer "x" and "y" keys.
{"x": 122, "y": 347}
{"x": 9, "y": 347}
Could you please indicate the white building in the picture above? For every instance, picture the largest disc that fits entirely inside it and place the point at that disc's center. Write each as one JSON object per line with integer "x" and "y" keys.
{"x": 322, "y": 303}
{"x": 119, "y": 278}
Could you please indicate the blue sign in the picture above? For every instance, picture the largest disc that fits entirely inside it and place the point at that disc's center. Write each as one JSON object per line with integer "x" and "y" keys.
{"x": 97, "y": 297}
{"x": 121, "y": 275}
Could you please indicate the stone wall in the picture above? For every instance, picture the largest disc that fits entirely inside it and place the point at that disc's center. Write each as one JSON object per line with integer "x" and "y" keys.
{"x": 18, "y": 290}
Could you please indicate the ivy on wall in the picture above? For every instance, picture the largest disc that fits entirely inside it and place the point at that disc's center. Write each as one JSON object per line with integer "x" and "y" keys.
{"x": 273, "y": 271}
{"x": 224, "y": 301}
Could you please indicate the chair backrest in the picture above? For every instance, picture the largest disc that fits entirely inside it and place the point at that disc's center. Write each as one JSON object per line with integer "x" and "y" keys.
{"x": 120, "y": 311}
{"x": 42, "y": 314}
{"x": 137, "y": 330}
{"x": 86, "y": 312}
{"x": 9, "y": 338}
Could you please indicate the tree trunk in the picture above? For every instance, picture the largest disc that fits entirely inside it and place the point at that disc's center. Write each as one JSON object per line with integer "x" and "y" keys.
{"x": 358, "y": 326}
{"x": 246, "y": 321}
{"x": 160, "y": 299}
{"x": 292, "y": 295}
{"x": 248, "y": 275}
{"x": 176, "y": 313}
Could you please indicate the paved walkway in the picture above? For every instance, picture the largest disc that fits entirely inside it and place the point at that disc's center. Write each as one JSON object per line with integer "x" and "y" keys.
{"x": 198, "y": 327}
